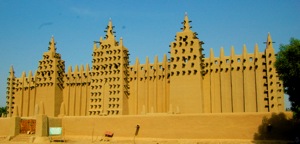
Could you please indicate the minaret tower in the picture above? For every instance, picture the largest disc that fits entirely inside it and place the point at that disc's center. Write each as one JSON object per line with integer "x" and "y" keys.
{"x": 50, "y": 80}
{"x": 10, "y": 92}
{"x": 273, "y": 84}
{"x": 109, "y": 80}
{"x": 186, "y": 71}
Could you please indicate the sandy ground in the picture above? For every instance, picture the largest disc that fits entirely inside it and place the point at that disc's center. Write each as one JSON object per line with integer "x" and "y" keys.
{"x": 100, "y": 140}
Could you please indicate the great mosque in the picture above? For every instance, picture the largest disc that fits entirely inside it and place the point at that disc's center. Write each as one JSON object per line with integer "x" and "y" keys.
{"x": 187, "y": 82}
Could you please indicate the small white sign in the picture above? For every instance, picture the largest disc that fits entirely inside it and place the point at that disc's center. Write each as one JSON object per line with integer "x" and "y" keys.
{"x": 55, "y": 131}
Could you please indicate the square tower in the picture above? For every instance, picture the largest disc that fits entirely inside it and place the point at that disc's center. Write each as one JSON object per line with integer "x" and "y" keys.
{"x": 49, "y": 81}
{"x": 109, "y": 79}
{"x": 186, "y": 94}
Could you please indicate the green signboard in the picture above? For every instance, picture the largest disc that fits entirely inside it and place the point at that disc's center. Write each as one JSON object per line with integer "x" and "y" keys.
{"x": 55, "y": 131}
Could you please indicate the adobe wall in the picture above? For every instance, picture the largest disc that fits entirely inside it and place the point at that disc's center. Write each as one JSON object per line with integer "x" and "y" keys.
{"x": 5, "y": 126}
{"x": 76, "y": 92}
{"x": 198, "y": 126}
{"x": 149, "y": 87}
{"x": 54, "y": 122}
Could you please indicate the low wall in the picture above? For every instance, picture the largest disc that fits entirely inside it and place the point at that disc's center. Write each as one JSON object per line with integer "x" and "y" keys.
{"x": 196, "y": 126}
{"x": 5, "y": 126}
{"x": 54, "y": 122}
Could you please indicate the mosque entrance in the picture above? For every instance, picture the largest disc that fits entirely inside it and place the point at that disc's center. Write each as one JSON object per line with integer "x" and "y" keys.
{"x": 27, "y": 126}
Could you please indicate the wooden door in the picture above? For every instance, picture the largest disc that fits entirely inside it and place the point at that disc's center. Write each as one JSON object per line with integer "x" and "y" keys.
{"x": 27, "y": 126}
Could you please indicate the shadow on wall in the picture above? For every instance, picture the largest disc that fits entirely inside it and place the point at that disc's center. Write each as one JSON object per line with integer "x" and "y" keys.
{"x": 278, "y": 127}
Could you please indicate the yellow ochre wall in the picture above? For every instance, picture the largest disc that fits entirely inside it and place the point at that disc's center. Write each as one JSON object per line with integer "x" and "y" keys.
{"x": 248, "y": 126}
{"x": 76, "y": 94}
{"x": 183, "y": 126}
{"x": 186, "y": 82}
{"x": 149, "y": 87}
{"x": 5, "y": 124}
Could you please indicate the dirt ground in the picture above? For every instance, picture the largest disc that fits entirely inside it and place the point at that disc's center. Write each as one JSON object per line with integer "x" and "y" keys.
{"x": 114, "y": 140}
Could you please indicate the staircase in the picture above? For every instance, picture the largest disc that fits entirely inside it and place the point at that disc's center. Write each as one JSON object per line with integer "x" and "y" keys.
{"x": 21, "y": 138}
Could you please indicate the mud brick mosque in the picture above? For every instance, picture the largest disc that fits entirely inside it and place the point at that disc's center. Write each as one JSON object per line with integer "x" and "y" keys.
{"x": 187, "y": 82}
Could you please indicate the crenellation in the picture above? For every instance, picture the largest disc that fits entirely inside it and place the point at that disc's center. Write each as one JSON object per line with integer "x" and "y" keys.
{"x": 148, "y": 78}
{"x": 76, "y": 94}
{"x": 225, "y": 81}
{"x": 248, "y": 67}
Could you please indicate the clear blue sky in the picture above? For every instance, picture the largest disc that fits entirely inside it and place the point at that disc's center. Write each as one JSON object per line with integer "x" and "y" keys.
{"x": 147, "y": 27}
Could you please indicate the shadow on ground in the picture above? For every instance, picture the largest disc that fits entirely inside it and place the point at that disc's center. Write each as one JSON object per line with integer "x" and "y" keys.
{"x": 278, "y": 127}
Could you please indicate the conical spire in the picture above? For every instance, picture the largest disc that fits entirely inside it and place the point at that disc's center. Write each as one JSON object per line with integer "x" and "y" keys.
{"x": 256, "y": 52}
{"x": 211, "y": 54}
{"x": 11, "y": 71}
{"x": 147, "y": 60}
{"x": 87, "y": 67}
{"x": 165, "y": 58}
{"x": 137, "y": 61}
{"x": 186, "y": 23}
{"x": 232, "y": 52}
{"x": 52, "y": 45}
{"x": 69, "y": 70}
{"x": 30, "y": 74}
{"x": 121, "y": 41}
{"x": 269, "y": 43}
{"x": 244, "y": 51}
{"x": 81, "y": 68}
{"x": 95, "y": 46}
{"x": 35, "y": 73}
{"x": 222, "y": 55}
{"x": 109, "y": 30}
{"x": 76, "y": 69}
{"x": 101, "y": 39}
{"x": 156, "y": 59}
{"x": 23, "y": 74}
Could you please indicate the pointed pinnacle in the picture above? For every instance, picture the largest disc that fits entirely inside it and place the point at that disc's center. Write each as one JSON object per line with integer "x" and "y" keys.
{"x": 52, "y": 44}
{"x": 147, "y": 60}
{"x": 87, "y": 67}
{"x": 70, "y": 69}
{"x": 121, "y": 41}
{"x": 81, "y": 68}
{"x": 11, "y": 70}
{"x": 156, "y": 59}
{"x": 165, "y": 58}
{"x": 244, "y": 51}
{"x": 76, "y": 68}
{"x": 256, "y": 50}
{"x": 23, "y": 74}
{"x": 30, "y": 74}
{"x": 232, "y": 51}
{"x": 137, "y": 60}
{"x": 94, "y": 46}
{"x": 186, "y": 23}
{"x": 269, "y": 43}
{"x": 109, "y": 32}
{"x": 211, "y": 53}
{"x": 221, "y": 52}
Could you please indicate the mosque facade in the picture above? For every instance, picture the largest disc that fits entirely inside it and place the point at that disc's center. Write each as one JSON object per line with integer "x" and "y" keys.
{"x": 187, "y": 82}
